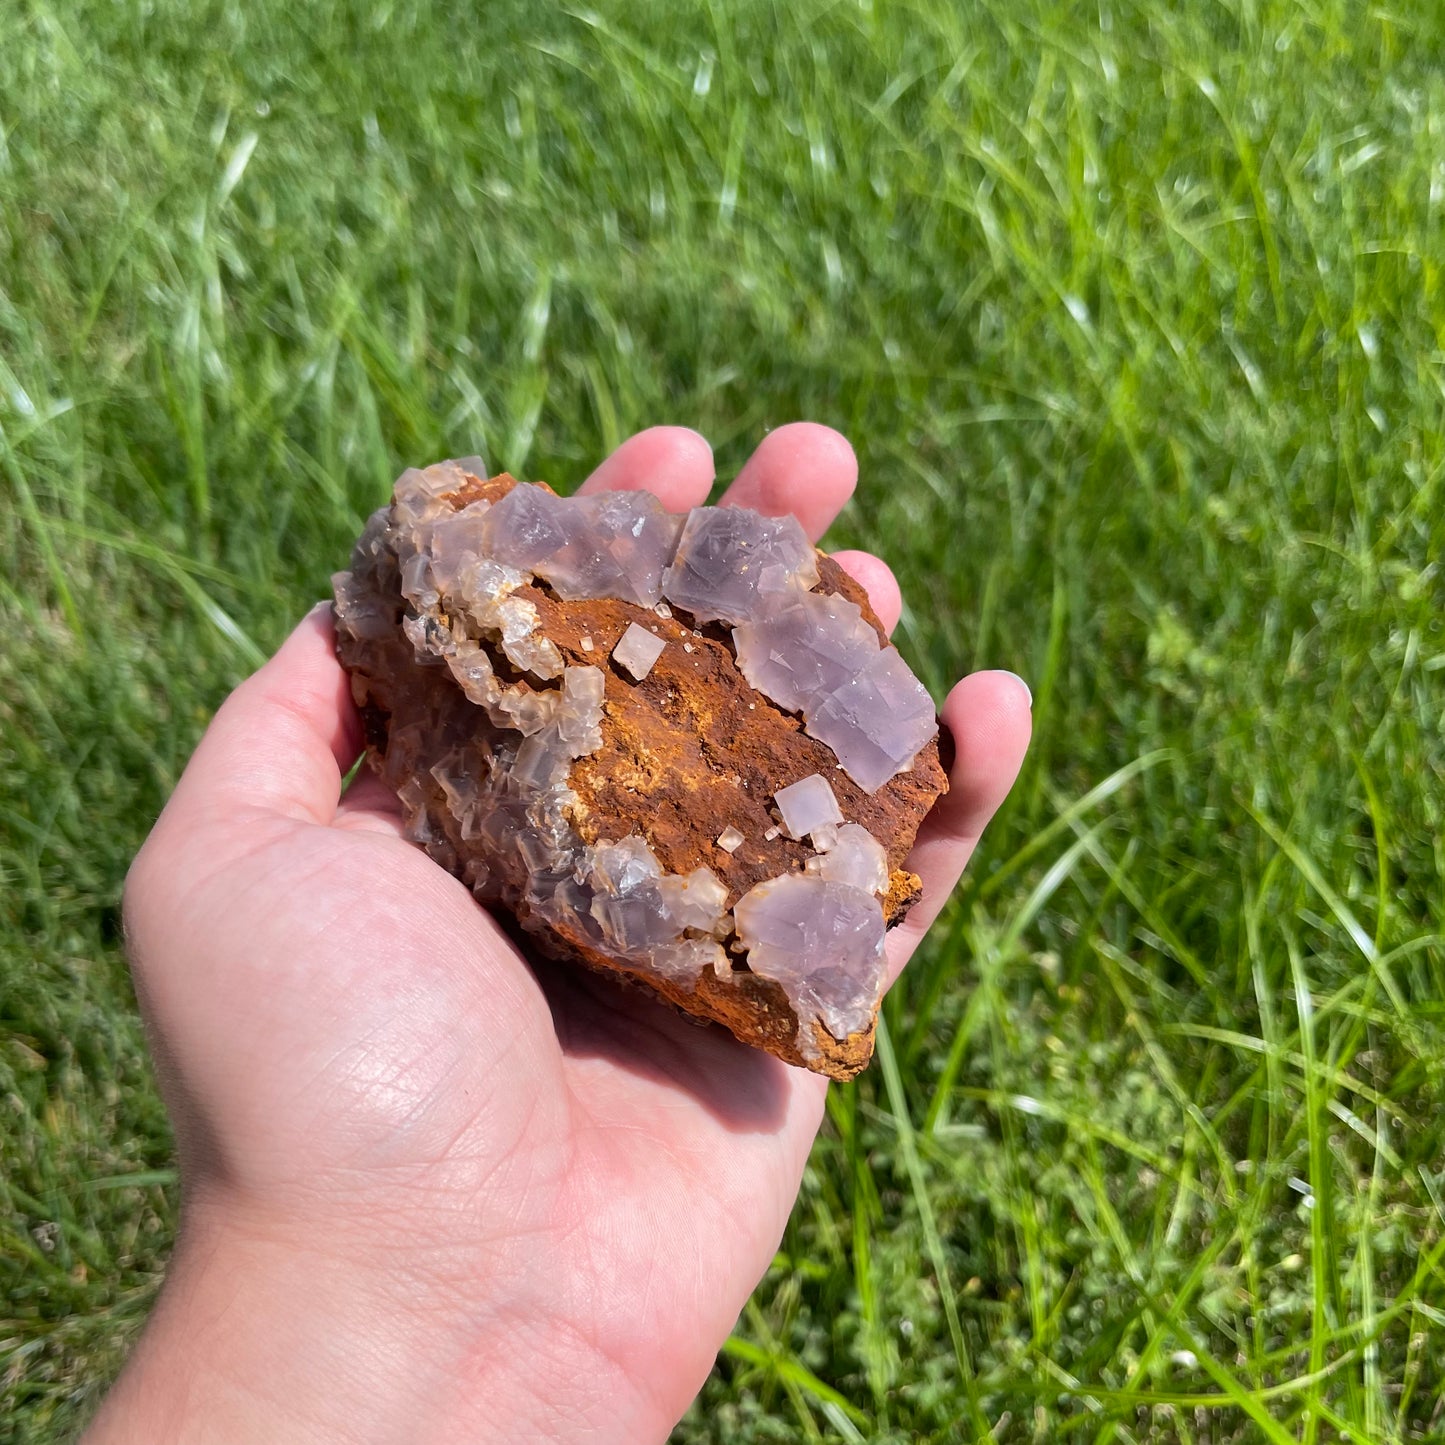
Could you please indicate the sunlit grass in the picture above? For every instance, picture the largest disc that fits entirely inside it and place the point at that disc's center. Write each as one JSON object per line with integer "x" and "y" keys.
{"x": 1134, "y": 314}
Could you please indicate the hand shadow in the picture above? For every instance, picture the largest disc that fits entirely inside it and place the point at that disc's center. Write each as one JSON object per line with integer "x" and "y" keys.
{"x": 600, "y": 1017}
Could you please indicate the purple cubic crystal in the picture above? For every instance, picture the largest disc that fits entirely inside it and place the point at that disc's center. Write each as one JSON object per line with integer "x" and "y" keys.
{"x": 822, "y": 941}
{"x": 807, "y": 804}
{"x": 525, "y": 529}
{"x": 579, "y": 717}
{"x": 694, "y": 900}
{"x": 612, "y": 544}
{"x": 633, "y": 534}
{"x": 458, "y": 546}
{"x": 850, "y": 854}
{"x": 805, "y": 649}
{"x": 622, "y": 868}
{"x": 731, "y": 563}
{"x": 361, "y": 611}
{"x": 639, "y": 907}
{"x": 634, "y": 922}
{"x": 877, "y": 722}
{"x": 684, "y": 962}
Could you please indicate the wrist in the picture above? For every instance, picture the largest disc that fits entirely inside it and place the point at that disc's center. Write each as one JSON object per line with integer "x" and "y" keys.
{"x": 266, "y": 1332}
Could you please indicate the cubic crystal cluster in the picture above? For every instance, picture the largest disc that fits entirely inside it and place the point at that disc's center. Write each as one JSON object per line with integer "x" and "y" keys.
{"x": 815, "y": 655}
{"x": 732, "y": 565}
{"x": 823, "y": 941}
{"x": 522, "y": 658}
{"x": 610, "y": 544}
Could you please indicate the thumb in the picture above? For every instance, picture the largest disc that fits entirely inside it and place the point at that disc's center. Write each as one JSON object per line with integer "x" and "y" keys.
{"x": 283, "y": 740}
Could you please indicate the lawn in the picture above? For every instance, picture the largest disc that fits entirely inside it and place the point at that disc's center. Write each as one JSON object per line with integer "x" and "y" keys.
{"x": 1134, "y": 314}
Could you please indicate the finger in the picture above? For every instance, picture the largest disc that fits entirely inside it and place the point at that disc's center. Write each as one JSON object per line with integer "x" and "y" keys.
{"x": 672, "y": 462}
{"x": 370, "y": 806}
{"x": 876, "y": 578}
{"x": 283, "y": 740}
{"x": 990, "y": 717}
{"x": 802, "y": 468}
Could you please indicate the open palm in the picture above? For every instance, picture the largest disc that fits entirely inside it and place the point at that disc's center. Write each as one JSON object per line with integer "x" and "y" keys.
{"x": 562, "y": 1187}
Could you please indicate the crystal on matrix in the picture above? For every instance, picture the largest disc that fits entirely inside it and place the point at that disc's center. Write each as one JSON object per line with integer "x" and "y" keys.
{"x": 637, "y": 537}
{"x": 527, "y": 530}
{"x": 814, "y": 654}
{"x": 850, "y": 854}
{"x": 697, "y": 900}
{"x": 579, "y": 716}
{"x": 731, "y": 562}
{"x": 805, "y": 649}
{"x": 637, "y": 650}
{"x": 823, "y": 941}
{"x": 807, "y": 804}
{"x": 609, "y": 544}
{"x": 472, "y": 622}
{"x": 877, "y": 721}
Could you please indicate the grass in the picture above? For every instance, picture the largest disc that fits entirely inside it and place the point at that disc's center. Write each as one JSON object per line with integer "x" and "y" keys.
{"x": 1134, "y": 313}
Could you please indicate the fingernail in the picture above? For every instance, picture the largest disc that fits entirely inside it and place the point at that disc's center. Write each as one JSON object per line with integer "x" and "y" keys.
{"x": 1028, "y": 693}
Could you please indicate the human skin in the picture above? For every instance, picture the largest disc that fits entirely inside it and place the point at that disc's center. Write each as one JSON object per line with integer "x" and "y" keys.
{"x": 434, "y": 1189}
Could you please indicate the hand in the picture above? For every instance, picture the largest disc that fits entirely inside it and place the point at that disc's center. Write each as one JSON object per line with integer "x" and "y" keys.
{"x": 434, "y": 1190}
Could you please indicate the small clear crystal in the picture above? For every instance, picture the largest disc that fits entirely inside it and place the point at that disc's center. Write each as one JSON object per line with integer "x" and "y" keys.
{"x": 637, "y": 650}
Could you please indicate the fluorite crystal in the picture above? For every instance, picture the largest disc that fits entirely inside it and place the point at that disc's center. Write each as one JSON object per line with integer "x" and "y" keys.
{"x": 823, "y": 941}
{"x": 849, "y": 854}
{"x": 815, "y": 655}
{"x": 610, "y": 544}
{"x": 637, "y": 649}
{"x": 476, "y": 621}
{"x": 876, "y": 721}
{"x": 731, "y": 563}
{"x": 805, "y": 649}
{"x": 807, "y": 804}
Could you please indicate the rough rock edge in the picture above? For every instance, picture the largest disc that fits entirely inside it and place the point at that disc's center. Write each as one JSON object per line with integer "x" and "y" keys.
{"x": 753, "y": 1008}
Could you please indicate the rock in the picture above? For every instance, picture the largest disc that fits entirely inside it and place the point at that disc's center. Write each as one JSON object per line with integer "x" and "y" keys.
{"x": 591, "y": 759}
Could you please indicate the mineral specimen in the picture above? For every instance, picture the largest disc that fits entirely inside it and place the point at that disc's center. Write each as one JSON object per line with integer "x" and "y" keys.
{"x": 596, "y": 809}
